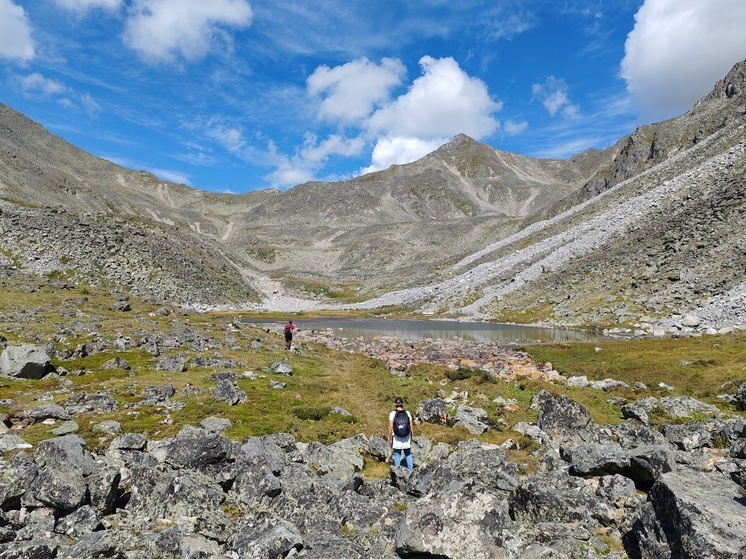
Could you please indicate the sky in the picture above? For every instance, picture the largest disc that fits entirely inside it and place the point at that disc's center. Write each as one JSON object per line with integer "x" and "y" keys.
{"x": 238, "y": 95}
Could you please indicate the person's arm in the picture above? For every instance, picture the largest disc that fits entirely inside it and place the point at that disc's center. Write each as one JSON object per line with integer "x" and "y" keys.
{"x": 391, "y": 430}
{"x": 411, "y": 426}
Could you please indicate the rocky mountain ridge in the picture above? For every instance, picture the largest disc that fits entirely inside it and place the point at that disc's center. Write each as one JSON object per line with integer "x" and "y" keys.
{"x": 647, "y": 229}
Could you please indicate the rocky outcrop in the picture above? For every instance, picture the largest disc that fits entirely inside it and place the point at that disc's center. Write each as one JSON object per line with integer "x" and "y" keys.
{"x": 200, "y": 494}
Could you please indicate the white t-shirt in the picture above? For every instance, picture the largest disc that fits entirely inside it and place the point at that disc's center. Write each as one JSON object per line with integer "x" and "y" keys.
{"x": 401, "y": 442}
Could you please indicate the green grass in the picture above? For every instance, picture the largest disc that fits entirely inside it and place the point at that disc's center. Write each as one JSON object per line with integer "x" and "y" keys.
{"x": 323, "y": 378}
{"x": 701, "y": 367}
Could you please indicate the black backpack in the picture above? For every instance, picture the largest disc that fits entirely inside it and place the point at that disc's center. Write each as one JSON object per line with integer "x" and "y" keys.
{"x": 401, "y": 423}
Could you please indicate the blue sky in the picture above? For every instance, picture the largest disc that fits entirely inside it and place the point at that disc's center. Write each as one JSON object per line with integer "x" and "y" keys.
{"x": 237, "y": 95}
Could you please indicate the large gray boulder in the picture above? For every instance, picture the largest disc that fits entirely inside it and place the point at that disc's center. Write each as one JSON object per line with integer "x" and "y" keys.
{"x": 433, "y": 411}
{"x": 466, "y": 519}
{"x": 68, "y": 453}
{"x": 474, "y": 420}
{"x": 266, "y": 535}
{"x": 558, "y": 497}
{"x": 599, "y": 459}
{"x": 25, "y": 361}
{"x": 566, "y": 421}
{"x": 701, "y": 515}
{"x": 197, "y": 448}
{"x": 228, "y": 392}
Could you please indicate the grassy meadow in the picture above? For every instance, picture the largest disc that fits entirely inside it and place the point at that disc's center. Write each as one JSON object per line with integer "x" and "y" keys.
{"x": 702, "y": 367}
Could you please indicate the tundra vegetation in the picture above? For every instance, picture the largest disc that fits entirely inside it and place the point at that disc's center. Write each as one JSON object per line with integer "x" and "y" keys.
{"x": 51, "y": 312}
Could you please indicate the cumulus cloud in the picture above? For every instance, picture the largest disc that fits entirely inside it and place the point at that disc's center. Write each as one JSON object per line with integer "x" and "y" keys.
{"x": 15, "y": 32}
{"x": 351, "y": 91}
{"x": 442, "y": 102}
{"x": 301, "y": 167}
{"x": 164, "y": 30}
{"x": 678, "y": 49}
{"x": 82, "y": 6}
{"x": 514, "y": 128}
{"x": 554, "y": 96}
{"x": 37, "y": 84}
{"x": 396, "y": 150}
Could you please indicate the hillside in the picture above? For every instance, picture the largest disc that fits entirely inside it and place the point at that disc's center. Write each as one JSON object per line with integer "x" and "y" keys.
{"x": 649, "y": 227}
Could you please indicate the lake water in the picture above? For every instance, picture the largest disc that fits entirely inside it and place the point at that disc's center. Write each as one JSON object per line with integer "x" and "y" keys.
{"x": 484, "y": 332}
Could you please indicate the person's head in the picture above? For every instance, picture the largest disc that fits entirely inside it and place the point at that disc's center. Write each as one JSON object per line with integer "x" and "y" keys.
{"x": 398, "y": 402}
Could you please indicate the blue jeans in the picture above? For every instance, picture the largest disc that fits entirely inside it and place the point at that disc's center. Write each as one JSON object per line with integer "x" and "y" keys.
{"x": 408, "y": 453}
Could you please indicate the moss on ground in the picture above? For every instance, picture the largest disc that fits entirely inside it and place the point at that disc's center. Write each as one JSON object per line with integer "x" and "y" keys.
{"x": 322, "y": 378}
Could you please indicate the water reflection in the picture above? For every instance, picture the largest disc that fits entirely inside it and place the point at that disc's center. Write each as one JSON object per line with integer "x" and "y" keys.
{"x": 484, "y": 332}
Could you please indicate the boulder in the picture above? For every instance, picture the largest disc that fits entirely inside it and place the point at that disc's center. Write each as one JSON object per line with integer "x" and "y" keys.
{"x": 701, "y": 514}
{"x": 25, "y": 361}
{"x": 648, "y": 462}
{"x": 101, "y": 402}
{"x": 473, "y": 420}
{"x": 116, "y": 364}
{"x": 433, "y": 411}
{"x": 229, "y": 393}
{"x": 686, "y": 407}
{"x": 465, "y": 519}
{"x": 687, "y": 436}
{"x": 282, "y": 368}
{"x": 266, "y": 535}
{"x": 68, "y": 453}
{"x": 174, "y": 364}
{"x": 48, "y": 411}
{"x": 598, "y": 460}
{"x": 196, "y": 448}
{"x": 564, "y": 420}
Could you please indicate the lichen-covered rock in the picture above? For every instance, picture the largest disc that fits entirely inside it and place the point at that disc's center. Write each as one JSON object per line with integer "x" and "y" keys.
{"x": 701, "y": 515}
{"x": 567, "y": 422}
{"x": 266, "y": 535}
{"x": 466, "y": 519}
{"x": 228, "y": 392}
{"x": 197, "y": 448}
{"x": 474, "y": 420}
{"x": 599, "y": 459}
{"x": 25, "y": 361}
{"x": 433, "y": 411}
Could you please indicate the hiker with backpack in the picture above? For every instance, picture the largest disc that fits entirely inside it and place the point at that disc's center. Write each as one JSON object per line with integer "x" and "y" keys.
{"x": 289, "y": 331}
{"x": 400, "y": 433}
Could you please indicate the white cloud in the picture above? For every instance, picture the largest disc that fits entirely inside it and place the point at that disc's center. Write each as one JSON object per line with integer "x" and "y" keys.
{"x": 441, "y": 103}
{"x": 229, "y": 137}
{"x": 90, "y": 105}
{"x": 295, "y": 169}
{"x": 163, "y": 30}
{"x": 514, "y": 128}
{"x": 398, "y": 150}
{"x": 678, "y": 49}
{"x": 354, "y": 89}
{"x": 82, "y": 6}
{"x": 554, "y": 96}
{"x": 15, "y": 32}
{"x": 37, "y": 84}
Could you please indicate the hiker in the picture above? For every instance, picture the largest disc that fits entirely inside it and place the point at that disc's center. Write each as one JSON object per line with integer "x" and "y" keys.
{"x": 289, "y": 331}
{"x": 400, "y": 433}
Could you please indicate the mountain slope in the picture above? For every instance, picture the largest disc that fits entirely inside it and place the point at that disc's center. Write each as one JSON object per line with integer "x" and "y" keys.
{"x": 649, "y": 226}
